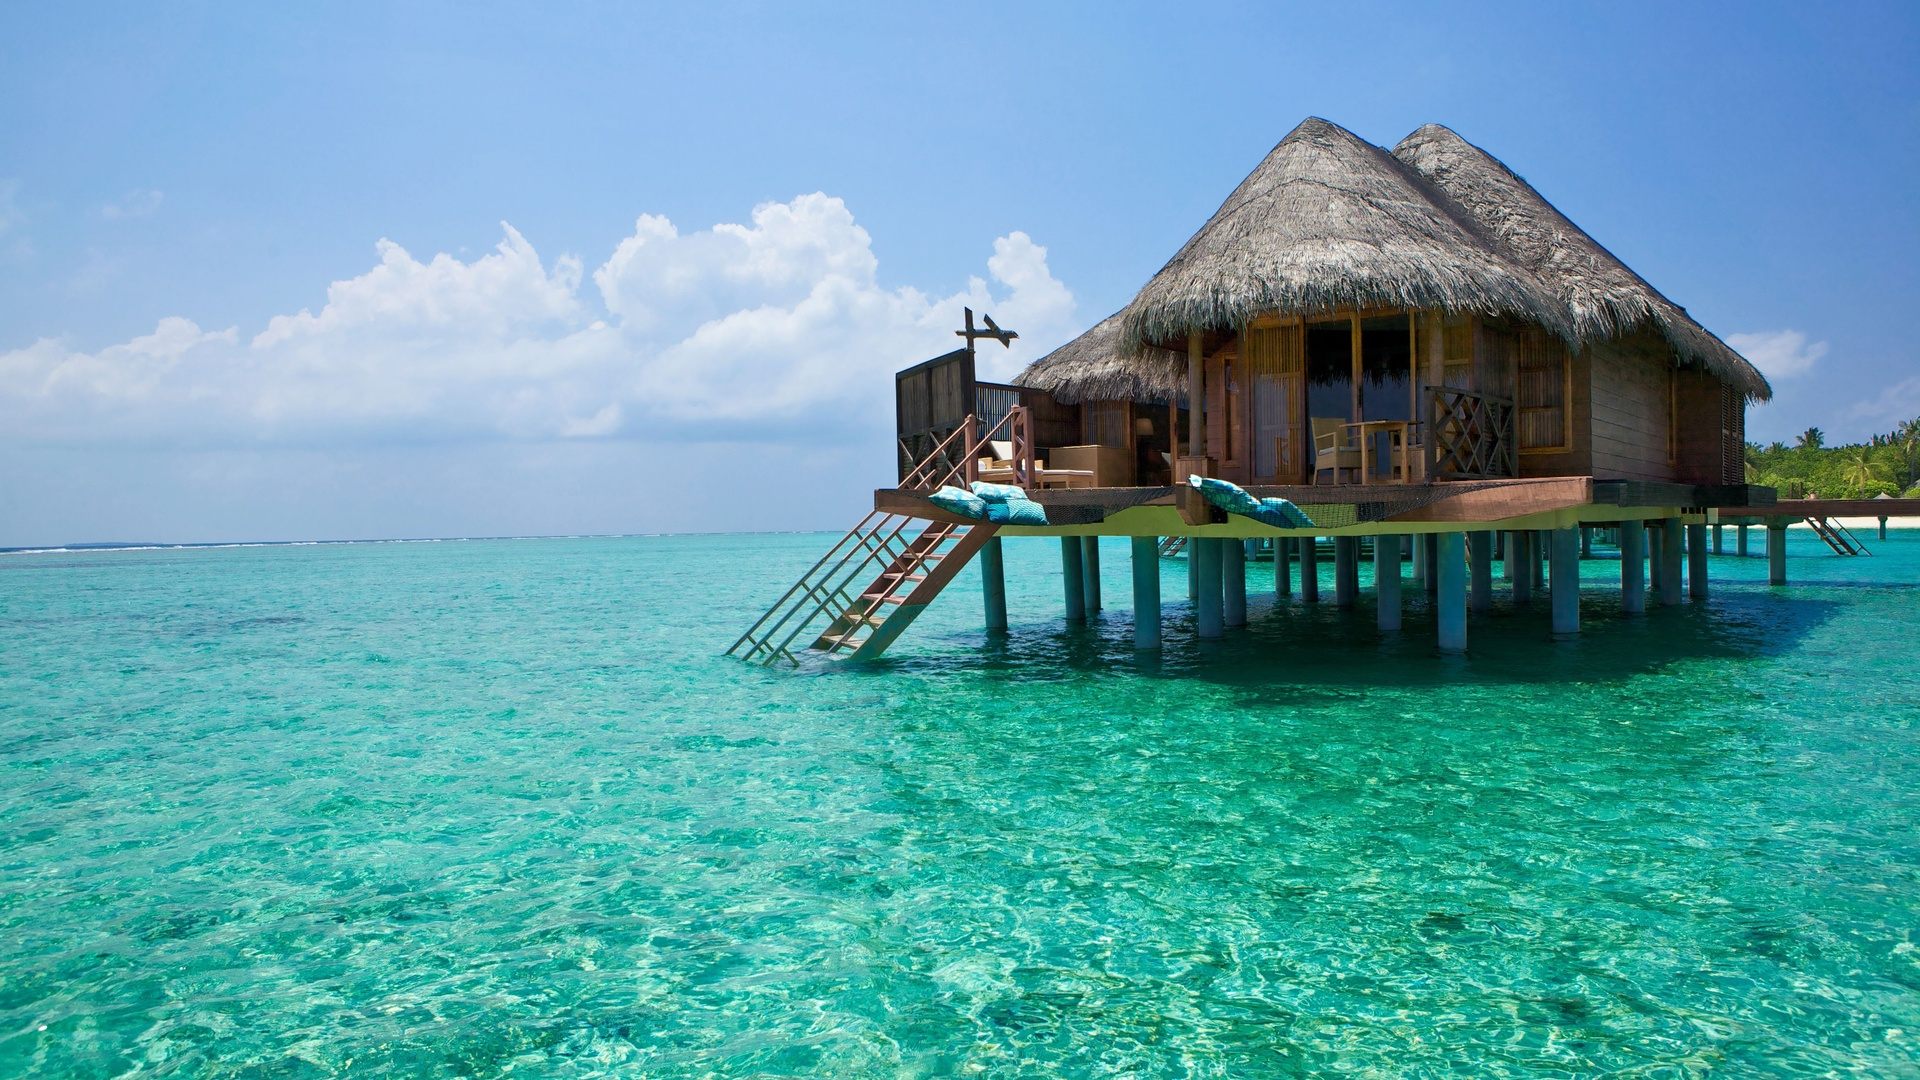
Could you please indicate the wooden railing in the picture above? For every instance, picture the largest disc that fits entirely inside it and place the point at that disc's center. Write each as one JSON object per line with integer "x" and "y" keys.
{"x": 956, "y": 458}
{"x": 1469, "y": 436}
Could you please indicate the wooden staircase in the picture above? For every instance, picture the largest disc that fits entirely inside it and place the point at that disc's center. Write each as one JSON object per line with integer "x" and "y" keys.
{"x": 1837, "y": 536}
{"x": 898, "y": 570}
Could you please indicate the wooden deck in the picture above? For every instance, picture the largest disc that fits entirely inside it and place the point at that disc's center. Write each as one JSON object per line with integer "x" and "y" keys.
{"x": 1823, "y": 508}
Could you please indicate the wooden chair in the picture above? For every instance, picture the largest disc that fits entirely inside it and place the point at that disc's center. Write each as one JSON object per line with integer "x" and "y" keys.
{"x": 1333, "y": 447}
{"x": 999, "y": 469}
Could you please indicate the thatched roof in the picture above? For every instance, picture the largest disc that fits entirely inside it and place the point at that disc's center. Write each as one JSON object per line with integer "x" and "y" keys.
{"x": 1329, "y": 220}
{"x": 1600, "y": 296}
{"x": 1094, "y": 367}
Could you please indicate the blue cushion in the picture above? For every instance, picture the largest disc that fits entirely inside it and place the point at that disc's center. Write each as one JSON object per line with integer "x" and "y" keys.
{"x": 959, "y": 501}
{"x": 1234, "y": 499}
{"x": 997, "y": 493}
{"x": 1017, "y": 512}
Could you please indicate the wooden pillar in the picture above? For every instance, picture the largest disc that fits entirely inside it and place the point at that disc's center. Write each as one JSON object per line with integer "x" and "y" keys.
{"x": 1633, "y": 566}
{"x": 1090, "y": 572}
{"x": 1310, "y": 569}
{"x": 1419, "y": 556}
{"x": 1671, "y": 575}
{"x": 1450, "y": 579}
{"x": 1697, "y": 561}
{"x": 1146, "y": 592}
{"x": 1432, "y": 543}
{"x": 1386, "y": 580}
{"x": 1566, "y": 581}
{"x": 1654, "y": 565}
{"x": 1480, "y": 571}
{"x": 1883, "y": 526}
{"x": 1520, "y": 561}
{"x": 1346, "y": 569}
{"x": 1719, "y": 540}
{"x": 1206, "y": 550}
{"x": 1233, "y": 567}
{"x": 1196, "y": 398}
{"x": 1509, "y": 555}
{"x": 1586, "y": 542}
{"x": 993, "y": 585}
{"x": 1740, "y": 540}
{"x": 1776, "y": 552}
{"x": 1283, "y": 566}
{"x": 1537, "y": 558}
{"x": 1075, "y": 578}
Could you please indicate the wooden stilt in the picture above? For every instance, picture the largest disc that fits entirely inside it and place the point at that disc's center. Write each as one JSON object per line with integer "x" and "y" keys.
{"x": 1537, "y": 558}
{"x": 1697, "y": 561}
{"x": 1586, "y": 542}
{"x": 1075, "y": 578}
{"x": 1233, "y": 566}
{"x": 1207, "y": 620}
{"x": 1520, "y": 561}
{"x": 1386, "y": 580}
{"x": 1671, "y": 575}
{"x": 1633, "y": 566}
{"x": 1566, "y": 581}
{"x": 1719, "y": 540}
{"x": 1346, "y": 556}
{"x": 1090, "y": 571}
{"x": 1146, "y": 592}
{"x": 1310, "y": 569}
{"x": 1283, "y": 566}
{"x": 1510, "y": 556}
{"x": 1883, "y": 527}
{"x": 1431, "y": 541}
{"x": 993, "y": 585}
{"x": 1450, "y": 578}
{"x": 1777, "y": 553}
{"x": 1480, "y": 571}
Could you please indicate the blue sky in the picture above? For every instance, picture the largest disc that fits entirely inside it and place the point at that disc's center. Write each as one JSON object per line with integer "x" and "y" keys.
{"x": 280, "y": 272}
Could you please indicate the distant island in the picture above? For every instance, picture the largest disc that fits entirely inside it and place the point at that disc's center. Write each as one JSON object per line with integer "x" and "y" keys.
{"x": 1885, "y": 464}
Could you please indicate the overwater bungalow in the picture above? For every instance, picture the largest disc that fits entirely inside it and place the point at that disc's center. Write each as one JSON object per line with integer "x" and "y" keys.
{"x": 1409, "y": 348}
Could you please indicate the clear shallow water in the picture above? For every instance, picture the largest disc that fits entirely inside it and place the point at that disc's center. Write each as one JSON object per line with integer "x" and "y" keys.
{"x": 488, "y": 808}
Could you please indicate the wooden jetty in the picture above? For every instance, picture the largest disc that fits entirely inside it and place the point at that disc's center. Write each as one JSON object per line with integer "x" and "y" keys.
{"x": 1410, "y": 345}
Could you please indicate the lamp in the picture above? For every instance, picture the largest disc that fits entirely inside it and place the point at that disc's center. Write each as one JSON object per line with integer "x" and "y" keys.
{"x": 1143, "y": 426}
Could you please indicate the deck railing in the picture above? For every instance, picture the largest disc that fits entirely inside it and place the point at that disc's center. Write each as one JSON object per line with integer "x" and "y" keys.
{"x": 956, "y": 458}
{"x": 1469, "y": 436}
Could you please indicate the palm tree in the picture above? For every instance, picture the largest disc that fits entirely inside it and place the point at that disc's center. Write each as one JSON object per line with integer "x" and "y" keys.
{"x": 1861, "y": 467}
{"x": 1812, "y": 439}
{"x": 1906, "y": 445}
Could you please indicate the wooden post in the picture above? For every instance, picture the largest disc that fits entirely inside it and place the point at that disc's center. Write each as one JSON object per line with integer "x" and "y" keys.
{"x": 1654, "y": 565}
{"x": 1310, "y": 569}
{"x": 1432, "y": 543}
{"x": 1207, "y": 552}
{"x": 1537, "y": 558}
{"x": 1566, "y": 581}
{"x": 1346, "y": 571}
{"x": 1196, "y": 398}
{"x": 1633, "y": 567}
{"x": 1776, "y": 552}
{"x": 1719, "y": 540}
{"x": 1076, "y": 582}
{"x": 1386, "y": 580}
{"x": 1520, "y": 560}
{"x": 1480, "y": 569}
{"x": 993, "y": 585}
{"x": 1146, "y": 592}
{"x": 1419, "y": 556}
{"x": 1283, "y": 566}
{"x": 1697, "y": 561}
{"x": 1233, "y": 573}
{"x": 1090, "y": 572}
{"x": 1509, "y": 556}
{"x": 1740, "y": 540}
{"x": 1450, "y": 577}
{"x": 1883, "y": 526}
{"x": 1670, "y": 559}
{"x": 1586, "y": 542}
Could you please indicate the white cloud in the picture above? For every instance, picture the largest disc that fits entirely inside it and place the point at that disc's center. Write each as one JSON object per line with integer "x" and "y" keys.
{"x": 759, "y": 330}
{"x": 1891, "y": 405}
{"x": 139, "y": 203}
{"x": 1779, "y": 354}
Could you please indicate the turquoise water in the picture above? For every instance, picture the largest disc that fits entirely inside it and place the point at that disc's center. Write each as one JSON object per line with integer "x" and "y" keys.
{"x": 491, "y": 808}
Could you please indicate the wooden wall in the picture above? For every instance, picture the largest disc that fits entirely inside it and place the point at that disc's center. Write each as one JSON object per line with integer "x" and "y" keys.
{"x": 1699, "y": 428}
{"x": 1631, "y": 379}
{"x": 1577, "y": 457}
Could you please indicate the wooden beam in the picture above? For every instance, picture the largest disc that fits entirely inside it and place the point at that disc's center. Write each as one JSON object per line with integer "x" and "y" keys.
{"x": 1196, "y": 396}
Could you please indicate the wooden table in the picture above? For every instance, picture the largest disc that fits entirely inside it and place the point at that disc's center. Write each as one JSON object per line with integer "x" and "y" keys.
{"x": 1367, "y": 429}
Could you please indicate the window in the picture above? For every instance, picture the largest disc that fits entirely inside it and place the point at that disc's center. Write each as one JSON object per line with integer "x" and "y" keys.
{"x": 1541, "y": 396}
